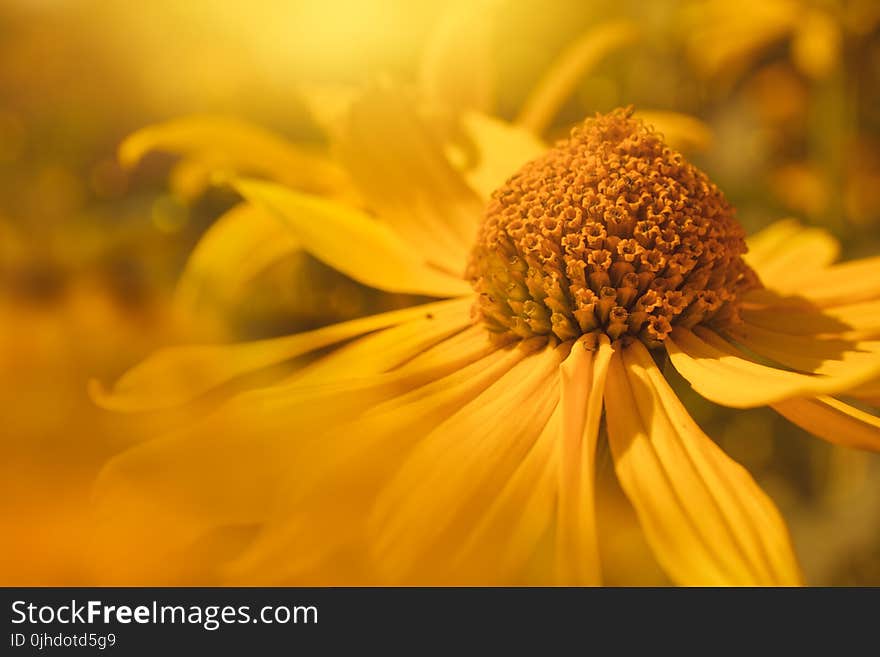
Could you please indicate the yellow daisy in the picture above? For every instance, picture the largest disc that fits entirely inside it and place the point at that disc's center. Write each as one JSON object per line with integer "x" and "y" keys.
{"x": 455, "y": 441}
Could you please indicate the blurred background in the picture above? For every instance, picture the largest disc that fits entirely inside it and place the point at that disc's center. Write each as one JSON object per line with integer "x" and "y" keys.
{"x": 785, "y": 97}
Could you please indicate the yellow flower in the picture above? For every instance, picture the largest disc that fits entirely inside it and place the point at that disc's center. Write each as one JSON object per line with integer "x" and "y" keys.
{"x": 418, "y": 445}
{"x": 455, "y": 441}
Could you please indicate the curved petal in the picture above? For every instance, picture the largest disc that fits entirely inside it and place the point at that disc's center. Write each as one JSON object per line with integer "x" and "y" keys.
{"x": 402, "y": 170}
{"x": 567, "y": 70}
{"x": 582, "y": 383}
{"x": 233, "y": 145}
{"x": 454, "y": 473}
{"x": 705, "y": 518}
{"x": 190, "y": 176}
{"x": 719, "y": 372}
{"x": 352, "y": 242}
{"x": 239, "y": 245}
{"x": 455, "y": 70}
{"x": 786, "y": 251}
{"x": 834, "y": 421}
{"x": 177, "y": 375}
{"x": 500, "y": 148}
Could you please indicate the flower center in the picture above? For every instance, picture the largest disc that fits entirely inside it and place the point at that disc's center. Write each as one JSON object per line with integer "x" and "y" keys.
{"x": 610, "y": 230}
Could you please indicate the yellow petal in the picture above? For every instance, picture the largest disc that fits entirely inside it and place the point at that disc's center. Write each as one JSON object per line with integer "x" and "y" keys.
{"x": 177, "y": 375}
{"x": 849, "y": 282}
{"x": 171, "y": 491}
{"x": 570, "y": 67}
{"x": 862, "y": 320}
{"x": 500, "y": 149}
{"x": 719, "y": 372}
{"x": 190, "y": 177}
{"x": 400, "y": 167}
{"x": 795, "y": 316}
{"x": 582, "y": 378}
{"x": 331, "y": 489}
{"x": 834, "y": 357}
{"x": 505, "y": 538}
{"x": 784, "y": 252}
{"x": 352, "y": 242}
{"x": 764, "y": 244}
{"x": 233, "y": 145}
{"x": 868, "y": 392}
{"x": 834, "y": 421}
{"x": 705, "y": 518}
{"x": 554, "y": 479}
{"x": 456, "y": 67}
{"x": 388, "y": 349}
{"x": 453, "y": 474}
{"x": 225, "y": 468}
{"x": 239, "y": 245}
{"x": 681, "y": 131}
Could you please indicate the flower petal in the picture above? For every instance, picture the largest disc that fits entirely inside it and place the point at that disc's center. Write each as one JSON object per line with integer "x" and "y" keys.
{"x": 705, "y": 518}
{"x": 227, "y": 468}
{"x": 573, "y": 64}
{"x": 845, "y": 283}
{"x": 322, "y": 509}
{"x": 856, "y": 321}
{"x": 239, "y": 245}
{"x": 234, "y": 145}
{"x": 456, "y": 69}
{"x": 834, "y": 421}
{"x": 500, "y": 148}
{"x": 402, "y": 170}
{"x": 177, "y": 375}
{"x": 786, "y": 251}
{"x": 454, "y": 473}
{"x": 556, "y": 477}
{"x": 798, "y": 261}
{"x": 868, "y": 392}
{"x": 391, "y": 348}
{"x": 352, "y": 242}
{"x": 858, "y": 360}
{"x": 582, "y": 379}
{"x": 504, "y": 540}
{"x": 190, "y": 176}
{"x": 718, "y": 371}
{"x": 861, "y": 319}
